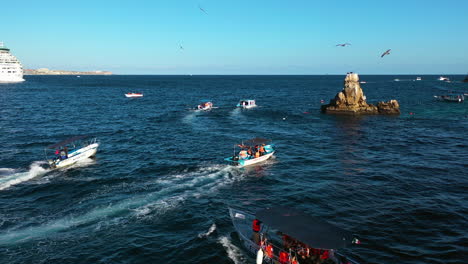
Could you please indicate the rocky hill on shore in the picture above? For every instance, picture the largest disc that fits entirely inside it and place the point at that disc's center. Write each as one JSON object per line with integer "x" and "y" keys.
{"x": 45, "y": 71}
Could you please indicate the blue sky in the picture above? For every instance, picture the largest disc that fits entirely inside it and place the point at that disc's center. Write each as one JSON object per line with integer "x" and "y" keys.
{"x": 239, "y": 37}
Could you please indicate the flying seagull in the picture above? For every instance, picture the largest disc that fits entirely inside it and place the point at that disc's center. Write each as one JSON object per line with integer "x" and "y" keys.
{"x": 180, "y": 47}
{"x": 385, "y": 53}
{"x": 343, "y": 45}
{"x": 203, "y": 10}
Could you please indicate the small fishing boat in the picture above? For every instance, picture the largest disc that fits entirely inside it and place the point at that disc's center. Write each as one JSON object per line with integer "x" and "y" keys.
{"x": 454, "y": 98}
{"x": 418, "y": 78}
{"x": 445, "y": 79}
{"x": 133, "y": 95}
{"x": 286, "y": 235}
{"x": 205, "y": 106}
{"x": 251, "y": 152}
{"x": 72, "y": 150}
{"x": 246, "y": 104}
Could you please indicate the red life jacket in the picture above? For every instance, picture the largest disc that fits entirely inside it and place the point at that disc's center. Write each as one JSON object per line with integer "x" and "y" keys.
{"x": 283, "y": 257}
{"x": 269, "y": 251}
{"x": 325, "y": 255}
{"x": 256, "y": 225}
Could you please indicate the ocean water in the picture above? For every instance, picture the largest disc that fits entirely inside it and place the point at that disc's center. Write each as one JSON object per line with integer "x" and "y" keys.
{"x": 158, "y": 189}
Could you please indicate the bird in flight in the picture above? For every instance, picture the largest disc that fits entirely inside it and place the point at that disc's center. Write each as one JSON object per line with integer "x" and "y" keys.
{"x": 385, "y": 53}
{"x": 343, "y": 45}
{"x": 180, "y": 47}
{"x": 201, "y": 9}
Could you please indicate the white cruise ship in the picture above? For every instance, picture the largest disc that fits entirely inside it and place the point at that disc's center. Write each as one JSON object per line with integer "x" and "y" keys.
{"x": 11, "y": 70}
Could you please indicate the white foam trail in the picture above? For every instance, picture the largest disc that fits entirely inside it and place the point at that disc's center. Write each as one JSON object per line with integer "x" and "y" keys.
{"x": 170, "y": 196}
{"x": 15, "y": 178}
{"x": 233, "y": 252}
{"x": 209, "y": 232}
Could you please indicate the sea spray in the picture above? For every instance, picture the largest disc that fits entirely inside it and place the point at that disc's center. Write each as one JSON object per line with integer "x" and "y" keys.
{"x": 18, "y": 177}
{"x": 209, "y": 232}
{"x": 232, "y": 251}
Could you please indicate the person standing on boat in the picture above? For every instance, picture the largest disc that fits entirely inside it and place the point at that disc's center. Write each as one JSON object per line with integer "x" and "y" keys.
{"x": 256, "y": 226}
{"x": 262, "y": 150}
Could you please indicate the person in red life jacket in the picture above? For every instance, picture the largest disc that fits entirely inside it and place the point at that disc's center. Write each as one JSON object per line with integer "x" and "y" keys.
{"x": 283, "y": 257}
{"x": 256, "y": 226}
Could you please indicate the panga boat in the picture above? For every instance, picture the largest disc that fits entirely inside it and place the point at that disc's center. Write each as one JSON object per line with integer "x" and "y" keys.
{"x": 286, "y": 235}
{"x": 456, "y": 98}
{"x": 252, "y": 151}
{"x": 131, "y": 95}
{"x": 246, "y": 104}
{"x": 445, "y": 79}
{"x": 205, "y": 106}
{"x": 72, "y": 150}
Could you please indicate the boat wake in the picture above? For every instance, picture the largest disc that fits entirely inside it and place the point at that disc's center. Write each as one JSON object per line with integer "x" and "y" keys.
{"x": 10, "y": 177}
{"x": 233, "y": 252}
{"x": 171, "y": 192}
{"x": 209, "y": 232}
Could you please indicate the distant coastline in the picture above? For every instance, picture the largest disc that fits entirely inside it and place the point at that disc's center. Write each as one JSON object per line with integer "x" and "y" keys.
{"x": 45, "y": 71}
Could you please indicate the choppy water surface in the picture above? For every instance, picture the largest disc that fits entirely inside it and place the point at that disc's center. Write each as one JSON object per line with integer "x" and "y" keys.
{"x": 158, "y": 189}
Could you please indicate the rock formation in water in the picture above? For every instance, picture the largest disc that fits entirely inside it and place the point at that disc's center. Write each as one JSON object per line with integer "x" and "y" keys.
{"x": 352, "y": 101}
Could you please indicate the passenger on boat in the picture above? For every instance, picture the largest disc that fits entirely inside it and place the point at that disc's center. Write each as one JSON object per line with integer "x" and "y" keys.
{"x": 57, "y": 154}
{"x": 262, "y": 150}
{"x": 283, "y": 257}
{"x": 249, "y": 151}
{"x": 269, "y": 250}
{"x": 63, "y": 154}
{"x": 257, "y": 154}
{"x": 256, "y": 226}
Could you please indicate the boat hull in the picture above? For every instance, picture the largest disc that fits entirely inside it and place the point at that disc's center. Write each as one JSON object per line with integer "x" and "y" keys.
{"x": 243, "y": 163}
{"x": 133, "y": 95}
{"x": 247, "y": 107}
{"x": 76, "y": 156}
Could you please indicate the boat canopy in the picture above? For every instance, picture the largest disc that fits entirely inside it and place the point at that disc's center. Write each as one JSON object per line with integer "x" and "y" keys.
{"x": 307, "y": 229}
{"x": 256, "y": 141}
{"x": 67, "y": 141}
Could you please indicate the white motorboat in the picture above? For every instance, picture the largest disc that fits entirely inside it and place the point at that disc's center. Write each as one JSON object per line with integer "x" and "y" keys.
{"x": 72, "y": 150}
{"x": 246, "y": 104}
{"x": 11, "y": 70}
{"x": 445, "y": 79}
{"x": 205, "y": 106}
{"x": 133, "y": 95}
{"x": 252, "y": 152}
{"x": 418, "y": 78}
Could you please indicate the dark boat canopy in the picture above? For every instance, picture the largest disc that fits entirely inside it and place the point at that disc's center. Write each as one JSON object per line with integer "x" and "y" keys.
{"x": 256, "y": 141}
{"x": 307, "y": 229}
{"x": 67, "y": 141}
